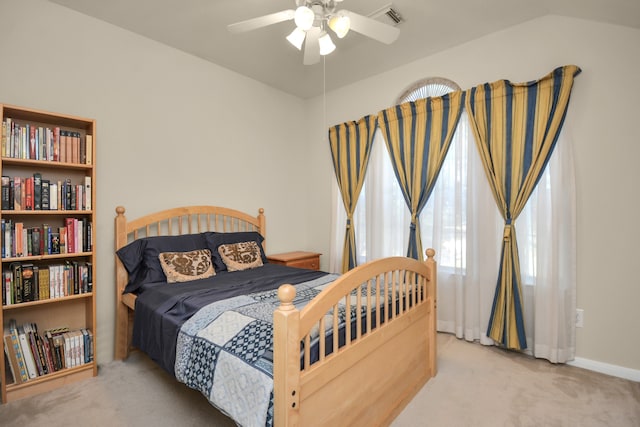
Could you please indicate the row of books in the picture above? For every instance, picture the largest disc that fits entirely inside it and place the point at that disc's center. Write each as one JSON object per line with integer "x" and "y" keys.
{"x": 30, "y": 141}
{"x": 32, "y": 354}
{"x": 19, "y": 240}
{"x": 36, "y": 193}
{"x": 26, "y": 282}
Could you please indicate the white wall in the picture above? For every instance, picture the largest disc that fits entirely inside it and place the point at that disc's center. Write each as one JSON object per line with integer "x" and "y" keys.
{"x": 175, "y": 130}
{"x": 171, "y": 129}
{"x": 603, "y": 125}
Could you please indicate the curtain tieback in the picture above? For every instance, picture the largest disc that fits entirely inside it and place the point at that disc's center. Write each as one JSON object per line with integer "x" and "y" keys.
{"x": 349, "y": 222}
{"x": 414, "y": 221}
{"x": 507, "y": 232}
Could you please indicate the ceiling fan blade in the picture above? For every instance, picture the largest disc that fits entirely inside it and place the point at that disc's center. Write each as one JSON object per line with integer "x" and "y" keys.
{"x": 261, "y": 21}
{"x": 371, "y": 28}
{"x": 312, "y": 47}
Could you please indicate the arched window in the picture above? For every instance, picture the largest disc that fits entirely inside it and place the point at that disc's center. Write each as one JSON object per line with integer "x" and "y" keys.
{"x": 431, "y": 86}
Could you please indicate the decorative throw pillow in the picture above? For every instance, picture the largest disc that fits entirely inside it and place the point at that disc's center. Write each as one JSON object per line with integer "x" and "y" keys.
{"x": 187, "y": 266}
{"x": 214, "y": 240}
{"x": 240, "y": 256}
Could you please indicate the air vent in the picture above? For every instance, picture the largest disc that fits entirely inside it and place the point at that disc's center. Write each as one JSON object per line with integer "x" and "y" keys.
{"x": 387, "y": 14}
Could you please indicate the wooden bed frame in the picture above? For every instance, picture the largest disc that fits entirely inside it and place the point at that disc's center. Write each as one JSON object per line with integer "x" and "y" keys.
{"x": 369, "y": 379}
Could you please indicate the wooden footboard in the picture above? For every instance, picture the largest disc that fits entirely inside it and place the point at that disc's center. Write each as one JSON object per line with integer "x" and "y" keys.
{"x": 374, "y": 374}
{"x": 170, "y": 222}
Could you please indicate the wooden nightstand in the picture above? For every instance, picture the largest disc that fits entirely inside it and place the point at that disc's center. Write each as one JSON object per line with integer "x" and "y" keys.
{"x": 300, "y": 259}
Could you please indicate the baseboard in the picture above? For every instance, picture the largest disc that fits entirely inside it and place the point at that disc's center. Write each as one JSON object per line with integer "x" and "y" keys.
{"x": 606, "y": 368}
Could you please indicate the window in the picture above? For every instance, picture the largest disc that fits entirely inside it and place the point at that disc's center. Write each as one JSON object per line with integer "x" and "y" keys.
{"x": 463, "y": 224}
{"x": 381, "y": 219}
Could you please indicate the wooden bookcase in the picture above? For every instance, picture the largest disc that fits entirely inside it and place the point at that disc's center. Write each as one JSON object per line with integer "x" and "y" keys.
{"x": 66, "y": 164}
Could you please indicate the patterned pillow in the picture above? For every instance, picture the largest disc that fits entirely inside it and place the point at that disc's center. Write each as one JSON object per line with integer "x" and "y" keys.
{"x": 187, "y": 266}
{"x": 240, "y": 256}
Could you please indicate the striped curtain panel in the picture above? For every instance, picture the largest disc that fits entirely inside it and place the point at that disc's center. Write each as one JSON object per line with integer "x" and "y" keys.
{"x": 418, "y": 135}
{"x": 516, "y": 128}
{"x": 350, "y": 149}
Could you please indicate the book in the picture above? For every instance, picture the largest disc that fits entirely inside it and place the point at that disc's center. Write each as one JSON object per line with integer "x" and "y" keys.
{"x": 21, "y": 364}
{"x": 16, "y": 269}
{"x": 89, "y": 149}
{"x": 53, "y": 196}
{"x": 39, "y": 349}
{"x": 68, "y": 155}
{"x": 63, "y": 240}
{"x": 89, "y": 277}
{"x": 72, "y": 198}
{"x": 28, "y": 197}
{"x": 90, "y": 340}
{"x": 7, "y": 241}
{"x": 43, "y": 283}
{"x": 46, "y": 347}
{"x": 74, "y": 277}
{"x": 56, "y": 144}
{"x": 19, "y": 249}
{"x": 36, "y": 281}
{"x": 36, "y": 236}
{"x": 5, "y": 192}
{"x": 12, "y": 193}
{"x": 18, "y": 191}
{"x": 28, "y": 283}
{"x": 75, "y": 147}
{"x": 87, "y": 193}
{"x": 89, "y": 236}
{"x": 31, "y": 131}
{"x": 70, "y": 224}
{"x": 60, "y": 201}
{"x": 30, "y": 362}
{"x": 67, "y": 194}
{"x": 37, "y": 191}
{"x": 7, "y": 277}
{"x": 58, "y": 345}
{"x": 79, "y": 197}
{"x": 69, "y": 360}
{"x": 56, "y": 342}
{"x": 5, "y": 141}
{"x": 78, "y": 346}
{"x": 46, "y": 201}
{"x": 55, "y": 242}
{"x": 40, "y": 144}
{"x": 12, "y": 359}
{"x": 31, "y": 339}
{"x": 62, "y": 154}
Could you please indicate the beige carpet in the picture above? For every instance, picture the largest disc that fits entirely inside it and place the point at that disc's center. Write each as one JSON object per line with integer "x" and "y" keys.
{"x": 475, "y": 386}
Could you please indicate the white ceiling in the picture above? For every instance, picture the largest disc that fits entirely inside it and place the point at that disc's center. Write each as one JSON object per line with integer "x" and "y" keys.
{"x": 199, "y": 28}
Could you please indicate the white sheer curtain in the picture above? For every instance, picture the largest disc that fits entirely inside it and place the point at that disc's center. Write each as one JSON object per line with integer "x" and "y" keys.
{"x": 461, "y": 222}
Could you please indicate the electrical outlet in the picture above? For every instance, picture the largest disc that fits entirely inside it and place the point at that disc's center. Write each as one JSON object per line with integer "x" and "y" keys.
{"x": 579, "y": 318}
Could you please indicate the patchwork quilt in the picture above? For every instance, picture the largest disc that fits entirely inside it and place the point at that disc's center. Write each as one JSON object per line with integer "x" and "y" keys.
{"x": 225, "y": 351}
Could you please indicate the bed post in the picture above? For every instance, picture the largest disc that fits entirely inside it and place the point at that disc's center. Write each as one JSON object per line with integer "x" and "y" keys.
{"x": 433, "y": 316}
{"x": 262, "y": 223}
{"x": 122, "y": 311}
{"x": 286, "y": 363}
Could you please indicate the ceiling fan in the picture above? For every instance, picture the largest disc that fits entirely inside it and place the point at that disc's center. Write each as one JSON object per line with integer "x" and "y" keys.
{"x": 313, "y": 18}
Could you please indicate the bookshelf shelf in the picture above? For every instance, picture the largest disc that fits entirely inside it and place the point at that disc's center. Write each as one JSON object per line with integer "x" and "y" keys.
{"x": 49, "y": 382}
{"x": 23, "y": 305}
{"x": 48, "y": 254}
{"x": 45, "y": 257}
{"x": 45, "y": 164}
{"x": 46, "y": 213}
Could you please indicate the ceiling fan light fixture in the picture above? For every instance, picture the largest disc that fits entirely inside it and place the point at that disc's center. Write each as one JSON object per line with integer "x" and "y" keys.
{"x": 296, "y": 38}
{"x": 340, "y": 24}
{"x": 304, "y": 18}
{"x": 326, "y": 44}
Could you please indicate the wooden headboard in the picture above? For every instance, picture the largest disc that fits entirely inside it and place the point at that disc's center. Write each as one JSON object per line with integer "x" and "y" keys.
{"x": 170, "y": 222}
